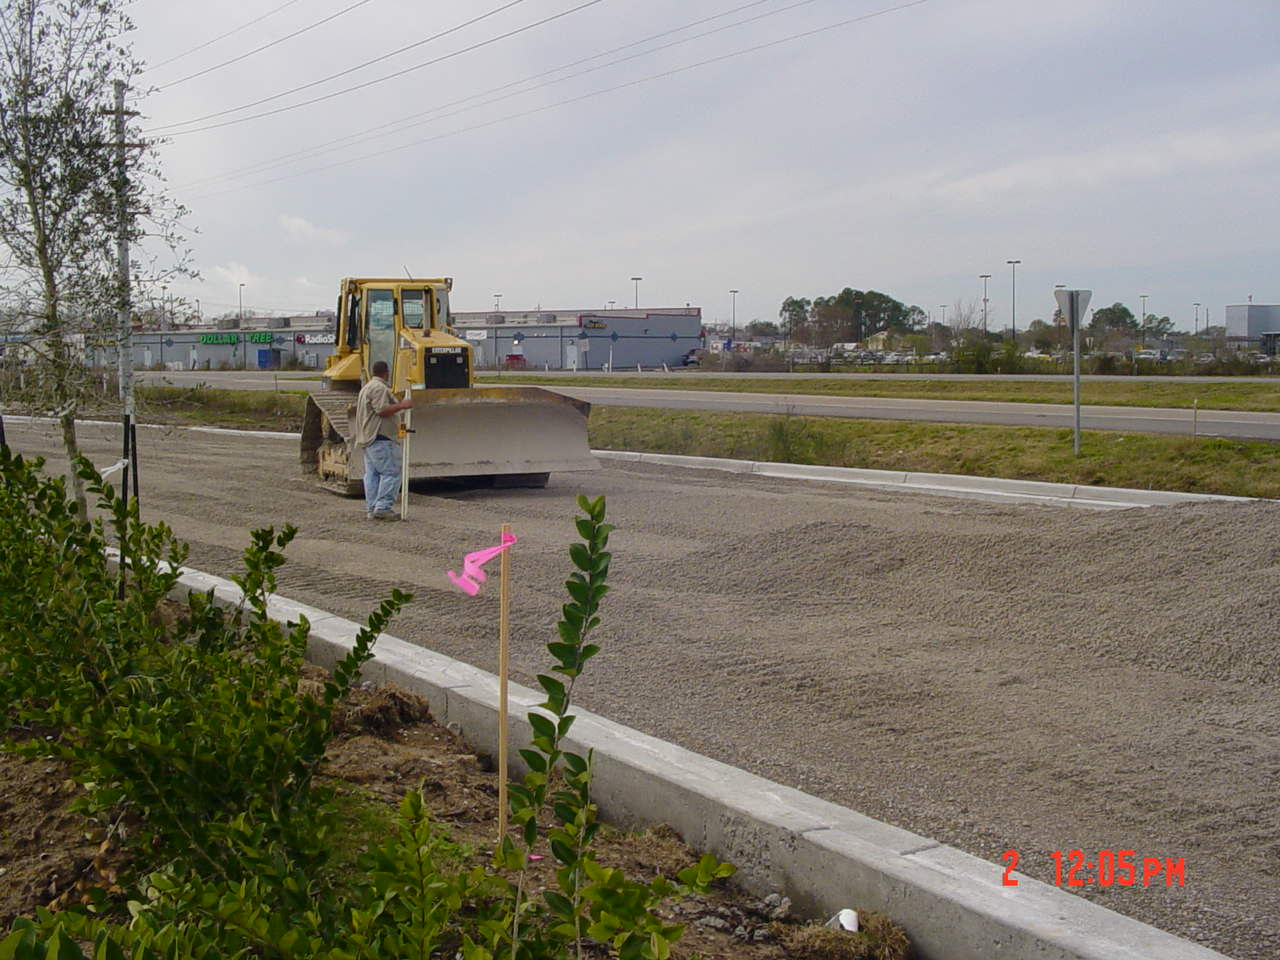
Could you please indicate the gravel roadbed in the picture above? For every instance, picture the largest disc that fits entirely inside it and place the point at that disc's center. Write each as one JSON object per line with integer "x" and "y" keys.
{"x": 993, "y": 676}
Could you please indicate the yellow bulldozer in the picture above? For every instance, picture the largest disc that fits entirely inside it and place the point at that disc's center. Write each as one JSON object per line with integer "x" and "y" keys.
{"x": 517, "y": 436}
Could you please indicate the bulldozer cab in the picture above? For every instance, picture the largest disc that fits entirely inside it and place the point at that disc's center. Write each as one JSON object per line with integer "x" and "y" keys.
{"x": 393, "y": 320}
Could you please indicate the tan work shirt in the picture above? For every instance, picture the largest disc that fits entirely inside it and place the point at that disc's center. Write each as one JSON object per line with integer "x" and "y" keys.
{"x": 375, "y": 396}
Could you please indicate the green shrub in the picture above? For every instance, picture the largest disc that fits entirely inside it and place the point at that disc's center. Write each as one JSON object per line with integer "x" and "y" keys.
{"x": 200, "y": 733}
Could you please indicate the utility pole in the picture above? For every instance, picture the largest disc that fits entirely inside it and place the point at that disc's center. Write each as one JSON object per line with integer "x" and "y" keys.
{"x": 984, "y": 277}
{"x": 123, "y": 279}
{"x": 124, "y": 304}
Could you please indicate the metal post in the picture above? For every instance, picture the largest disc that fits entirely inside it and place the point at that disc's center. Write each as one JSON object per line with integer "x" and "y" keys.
{"x": 984, "y": 277}
{"x": 636, "y": 280}
{"x": 1013, "y": 304}
{"x": 133, "y": 446}
{"x": 733, "y": 299}
{"x": 407, "y": 423}
{"x": 1074, "y": 320}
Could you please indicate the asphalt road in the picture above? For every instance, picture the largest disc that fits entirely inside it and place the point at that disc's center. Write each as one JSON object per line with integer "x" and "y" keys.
{"x": 1223, "y": 423}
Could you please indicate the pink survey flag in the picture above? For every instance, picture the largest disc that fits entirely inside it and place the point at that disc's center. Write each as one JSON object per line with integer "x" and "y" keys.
{"x": 472, "y": 575}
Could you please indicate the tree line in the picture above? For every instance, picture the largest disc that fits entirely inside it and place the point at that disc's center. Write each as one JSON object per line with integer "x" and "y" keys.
{"x": 848, "y": 316}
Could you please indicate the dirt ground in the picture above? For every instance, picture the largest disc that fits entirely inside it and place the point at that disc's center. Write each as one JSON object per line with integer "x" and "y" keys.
{"x": 994, "y": 677}
{"x": 386, "y": 744}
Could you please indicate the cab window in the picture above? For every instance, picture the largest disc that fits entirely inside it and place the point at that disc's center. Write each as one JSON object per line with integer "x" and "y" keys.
{"x": 380, "y": 320}
{"x": 413, "y": 306}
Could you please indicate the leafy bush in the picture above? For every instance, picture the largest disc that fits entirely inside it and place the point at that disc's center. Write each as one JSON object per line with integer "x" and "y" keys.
{"x": 199, "y": 734}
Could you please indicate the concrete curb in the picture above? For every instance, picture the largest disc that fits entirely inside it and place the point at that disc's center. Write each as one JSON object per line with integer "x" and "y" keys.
{"x": 823, "y": 856}
{"x": 941, "y": 484}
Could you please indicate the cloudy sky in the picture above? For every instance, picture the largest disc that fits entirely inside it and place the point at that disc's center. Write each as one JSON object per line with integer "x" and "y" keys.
{"x": 1128, "y": 146}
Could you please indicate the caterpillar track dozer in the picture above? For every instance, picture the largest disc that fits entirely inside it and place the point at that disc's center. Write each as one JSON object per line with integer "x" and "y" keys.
{"x": 515, "y": 435}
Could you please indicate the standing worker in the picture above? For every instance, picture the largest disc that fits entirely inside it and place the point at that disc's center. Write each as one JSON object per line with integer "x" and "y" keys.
{"x": 377, "y": 435}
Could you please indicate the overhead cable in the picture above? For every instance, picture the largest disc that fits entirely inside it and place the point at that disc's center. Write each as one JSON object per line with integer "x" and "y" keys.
{"x": 221, "y": 36}
{"x": 352, "y": 69}
{"x": 401, "y": 123}
{"x": 436, "y": 113}
{"x": 265, "y": 46}
{"x": 583, "y": 97}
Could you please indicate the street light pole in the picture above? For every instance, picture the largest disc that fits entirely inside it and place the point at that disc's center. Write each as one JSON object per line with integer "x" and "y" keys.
{"x": 984, "y": 277}
{"x": 1013, "y": 306}
{"x": 636, "y": 281}
{"x": 733, "y": 300}
{"x": 1142, "y": 321}
{"x": 242, "y": 306}
{"x": 497, "y": 302}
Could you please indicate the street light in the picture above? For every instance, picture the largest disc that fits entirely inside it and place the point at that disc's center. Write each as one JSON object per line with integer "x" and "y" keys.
{"x": 1142, "y": 321}
{"x": 984, "y": 277}
{"x": 242, "y": 305}
{"x": 636, "y": 281}
{"x": 497, "y": 302}
{"x": 1013, "y": 307}
{"x": 733, "y": 300}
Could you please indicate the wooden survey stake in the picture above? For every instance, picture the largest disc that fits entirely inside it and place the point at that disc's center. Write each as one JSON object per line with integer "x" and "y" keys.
{"x": 504, "y": 570}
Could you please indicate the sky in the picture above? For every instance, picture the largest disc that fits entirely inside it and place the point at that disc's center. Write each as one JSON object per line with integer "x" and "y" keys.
{"x": 1129, "y": 147}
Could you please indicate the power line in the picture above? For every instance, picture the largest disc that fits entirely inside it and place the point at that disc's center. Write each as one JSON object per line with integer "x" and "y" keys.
{"x": 265, "y": 46}
{"x": 343, "y": 73}
{"x": 586, "y": 96}
{"x": 401, "y": 123}
{"x": 207, "y": 43}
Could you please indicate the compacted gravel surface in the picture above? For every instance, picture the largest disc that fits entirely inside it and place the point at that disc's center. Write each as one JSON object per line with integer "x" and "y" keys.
{"x": 995, "y": 677}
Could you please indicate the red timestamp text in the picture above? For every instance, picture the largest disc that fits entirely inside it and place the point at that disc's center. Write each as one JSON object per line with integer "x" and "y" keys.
{"x": 1105, "y": 868}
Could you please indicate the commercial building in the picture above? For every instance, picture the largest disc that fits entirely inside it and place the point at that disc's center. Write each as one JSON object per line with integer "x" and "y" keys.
{"x": 262, "y": 343}
{"x": 582, "y": 339}
{"x": 508, "y": 339}
{"x": 1258, "y": 323}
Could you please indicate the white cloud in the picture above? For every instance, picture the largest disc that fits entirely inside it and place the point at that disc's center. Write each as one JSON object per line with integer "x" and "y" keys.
{"x": 236, "y": 273}
{"x": 303, "y": 230}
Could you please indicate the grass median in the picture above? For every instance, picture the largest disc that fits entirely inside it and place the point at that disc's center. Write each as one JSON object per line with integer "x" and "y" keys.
{"x": 1138, "y": 392}
{"x": 1144, "y": 461}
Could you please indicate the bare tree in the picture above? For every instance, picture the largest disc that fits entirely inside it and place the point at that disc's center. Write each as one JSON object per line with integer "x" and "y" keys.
{"x": 964, "y": 316}
{"x": 80, "y": 181}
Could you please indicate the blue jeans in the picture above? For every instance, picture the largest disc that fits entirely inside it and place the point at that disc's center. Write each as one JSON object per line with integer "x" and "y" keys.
{"x": 381, "y": 475}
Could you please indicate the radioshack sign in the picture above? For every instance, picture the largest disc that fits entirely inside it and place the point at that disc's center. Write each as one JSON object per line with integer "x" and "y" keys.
{"x": 315, "y": 338}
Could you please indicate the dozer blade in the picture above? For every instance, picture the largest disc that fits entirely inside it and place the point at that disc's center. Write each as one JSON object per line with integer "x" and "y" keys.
{"x": 502, "y": 432}
{"x": 516, "y": 435}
